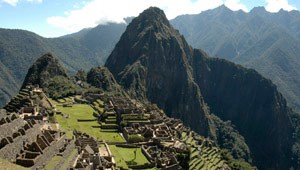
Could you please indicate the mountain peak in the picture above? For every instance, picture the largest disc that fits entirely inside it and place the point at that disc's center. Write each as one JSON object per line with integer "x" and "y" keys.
{"x": 152, "y": 16}
{"x": 258, "y": 10}
{"x": 149, "y": 59}
{"x": 223, "y": 7}
{"x": 154, "y": 13}
{"x": 43, "y": 69}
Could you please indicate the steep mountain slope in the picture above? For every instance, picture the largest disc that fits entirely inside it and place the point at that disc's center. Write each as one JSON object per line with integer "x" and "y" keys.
{"x": 153, "y": 61}
{"x": 82, "y": 50}
{"x": 267, "y": 42}
{"x": 149, "y": 60}
{"x": 49, "y": 74}
{"x": 42, "y": 70}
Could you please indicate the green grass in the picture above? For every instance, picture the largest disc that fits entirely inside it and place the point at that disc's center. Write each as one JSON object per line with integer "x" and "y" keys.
{"x": 100, "y": 102}
{"x": 83, "y": 111}
{"x": 127, "y": 154}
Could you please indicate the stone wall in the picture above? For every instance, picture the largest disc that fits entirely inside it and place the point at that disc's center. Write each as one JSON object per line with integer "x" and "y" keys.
{"x": 16, "y": 132}
{"x": 9, "y": 126}
{"x": 48, "y": 153}
{"x": 66, "y": 154}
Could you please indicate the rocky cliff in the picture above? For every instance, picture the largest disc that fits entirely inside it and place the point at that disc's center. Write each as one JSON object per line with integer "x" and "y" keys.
{"x": 151, "y": 62}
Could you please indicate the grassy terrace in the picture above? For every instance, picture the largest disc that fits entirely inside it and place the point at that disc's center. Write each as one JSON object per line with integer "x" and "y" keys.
{"x": 68, "y": 121}
{"x": 125, "y": 155}
{"x": 205, "y": 158}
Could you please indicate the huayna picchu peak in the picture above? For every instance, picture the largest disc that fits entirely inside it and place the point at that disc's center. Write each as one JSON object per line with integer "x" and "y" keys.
{"x": 157, "y": 103}
{"x": 153, "y": 61}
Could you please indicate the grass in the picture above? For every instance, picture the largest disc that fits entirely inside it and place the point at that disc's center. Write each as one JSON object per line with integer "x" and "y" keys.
{"x": 123, "y": 155}
{"x": 83, "y": 111}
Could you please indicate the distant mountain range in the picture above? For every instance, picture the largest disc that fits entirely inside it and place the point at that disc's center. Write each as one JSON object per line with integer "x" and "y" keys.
{"x": 83, "y": 50}
{"x": 267, "y": 42}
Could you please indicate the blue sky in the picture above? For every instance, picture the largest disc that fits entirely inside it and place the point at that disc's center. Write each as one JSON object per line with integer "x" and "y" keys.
{"x": 52, "y": 18}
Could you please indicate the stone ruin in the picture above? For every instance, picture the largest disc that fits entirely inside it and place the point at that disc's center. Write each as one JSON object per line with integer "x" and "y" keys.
{"x": 89, "y": 156}
{"x": 162, "y": 159}
{"x": 39, "y": 152}
{"x": 26, "y": 143}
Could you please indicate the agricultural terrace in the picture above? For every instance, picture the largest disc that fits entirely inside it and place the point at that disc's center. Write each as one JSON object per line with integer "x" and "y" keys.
{"x": 71, "y": 116}
{"x": 128, "y": 156}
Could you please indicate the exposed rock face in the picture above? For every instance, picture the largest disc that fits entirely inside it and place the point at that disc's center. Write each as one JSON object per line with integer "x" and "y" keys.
{"x": 153, "y": 61}
{"x": 44, "y": 68}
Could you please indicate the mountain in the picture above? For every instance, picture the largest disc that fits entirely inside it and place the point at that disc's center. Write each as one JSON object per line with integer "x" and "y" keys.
{"x": 152, "y": 61}
{"x": 83, "y": 50}
{"x": 266, "y": 42}
{"x": 43, "y": 70}
{"x": 102, "y": 78}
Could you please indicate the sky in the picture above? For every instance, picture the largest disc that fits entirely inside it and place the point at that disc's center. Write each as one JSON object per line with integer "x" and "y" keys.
{"x": 53, "y": 18}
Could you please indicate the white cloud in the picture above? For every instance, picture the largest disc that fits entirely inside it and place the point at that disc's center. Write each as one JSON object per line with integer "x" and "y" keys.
{"x": 11, "y": 2}
{"x": 103, "y": 11}
{"x": 235, "y": 5}
{"x": 35, "y": 1}
{"x": 15, "y": 2}
{"x": 276, "y": 5}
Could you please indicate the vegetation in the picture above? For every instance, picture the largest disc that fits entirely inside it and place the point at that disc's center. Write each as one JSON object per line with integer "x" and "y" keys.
{"x": 234, "y": 163}
{"x": 229, "y": 138}
{"x": 68, "y": 121}
{"x": 102, "y": 78}
{"x": 59, "y": 87}
{"x": 236, "y": 40}
{"x": 82, "y": 50}
{"x": 125, "y": 156}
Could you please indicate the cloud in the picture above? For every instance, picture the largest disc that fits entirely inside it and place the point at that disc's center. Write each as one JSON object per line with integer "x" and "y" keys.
{"x": 11, "y": 2}
{"x": 35, "y": 1}
{"x": 236, "y": 5}
{"x": 15, "y": 2}
{"x": 103, "y": 11}
{"x": 276, "y": 5}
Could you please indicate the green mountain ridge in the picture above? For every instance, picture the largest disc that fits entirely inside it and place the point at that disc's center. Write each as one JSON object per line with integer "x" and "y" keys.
{"x": 83, "y": 50}
{"x": 266, "y": 42}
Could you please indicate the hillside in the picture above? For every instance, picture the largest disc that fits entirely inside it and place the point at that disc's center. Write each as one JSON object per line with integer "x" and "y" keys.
{"x": 82, "y": 50}
{"x": 152, "y": 61}
{"x": 266, "y": 42}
